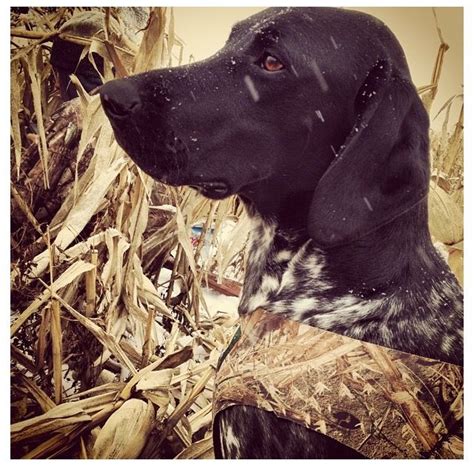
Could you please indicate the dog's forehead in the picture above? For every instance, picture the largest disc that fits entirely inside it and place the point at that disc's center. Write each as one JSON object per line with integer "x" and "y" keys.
{"x": 311, "y": 18}
{"x": 263, "y": 18}
{"x": 302, "y": 28}
{"x": 310, "y": 23}
{"x": 276, "y": 20}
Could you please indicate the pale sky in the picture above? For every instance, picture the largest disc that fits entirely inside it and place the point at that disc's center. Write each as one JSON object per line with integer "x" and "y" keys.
{"x": 205, "y": 29}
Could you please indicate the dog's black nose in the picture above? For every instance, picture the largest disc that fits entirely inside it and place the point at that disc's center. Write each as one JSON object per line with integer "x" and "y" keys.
{"x": 120, "y": 98}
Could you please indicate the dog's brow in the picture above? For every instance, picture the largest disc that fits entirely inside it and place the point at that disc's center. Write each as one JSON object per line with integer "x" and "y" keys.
{"x": 268, "y": 34}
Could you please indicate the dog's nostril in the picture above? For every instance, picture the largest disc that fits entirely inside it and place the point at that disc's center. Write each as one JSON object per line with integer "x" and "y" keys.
{"x": 120, "y": 99}
{"x": 119, "y": 108}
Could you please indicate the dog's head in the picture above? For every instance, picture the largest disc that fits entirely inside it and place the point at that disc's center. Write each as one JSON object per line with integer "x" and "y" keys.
{"x": 309, "y": 107}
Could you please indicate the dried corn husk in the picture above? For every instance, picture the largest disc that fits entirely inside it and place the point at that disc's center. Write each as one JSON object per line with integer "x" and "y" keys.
{"x": 125, "y": 432}
{"x": 445, "y": 216}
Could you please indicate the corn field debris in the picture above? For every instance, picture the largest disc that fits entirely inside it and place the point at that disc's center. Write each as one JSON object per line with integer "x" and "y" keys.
{"x": 111, "y": 336}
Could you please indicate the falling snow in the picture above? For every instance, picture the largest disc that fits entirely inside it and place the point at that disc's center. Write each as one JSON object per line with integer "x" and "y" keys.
{"x": 369, "y": 205}
{"x": 251, "y": 87}
{"x": 294, "y": 71}
{"x": 319, "y": 76}
{"x": 320, "y": 115}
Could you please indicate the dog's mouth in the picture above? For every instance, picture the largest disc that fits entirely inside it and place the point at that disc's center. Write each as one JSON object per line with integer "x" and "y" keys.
{"x": 213, "y": 189}
{"x": 172, "y": 171}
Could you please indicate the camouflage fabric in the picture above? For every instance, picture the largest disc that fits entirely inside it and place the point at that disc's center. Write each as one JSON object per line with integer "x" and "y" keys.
{"x": 381, "y": 402}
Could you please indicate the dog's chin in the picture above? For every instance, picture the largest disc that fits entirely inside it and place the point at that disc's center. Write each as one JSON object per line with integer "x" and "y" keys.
{"x": 158, "y": 172}
{"x": 212, "y": 189}
{"x": 215, "y": 190}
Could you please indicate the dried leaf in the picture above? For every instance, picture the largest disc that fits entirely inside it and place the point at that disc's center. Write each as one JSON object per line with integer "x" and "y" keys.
{"x": 322, "y": 426}
{"x": 73, "y": 272}
{"x": 87, "y": 205}
{"x": 150, "y": 53}
{"x": 35, "y": 80}
{"x": 184, "y": 240}
{"x": 202, "y": 449}
{"x": 15, "y": 106}
{"x": 107, "y": 340}
{"x": 456, "y": 260}
{"x": 155, "y": 380}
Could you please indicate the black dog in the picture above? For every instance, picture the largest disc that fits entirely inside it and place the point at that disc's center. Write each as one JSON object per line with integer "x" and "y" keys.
{"x": 311, "y": 117}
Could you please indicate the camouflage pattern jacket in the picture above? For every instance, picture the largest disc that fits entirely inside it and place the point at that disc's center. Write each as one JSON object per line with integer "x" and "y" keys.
{"x": 379, "y": 401}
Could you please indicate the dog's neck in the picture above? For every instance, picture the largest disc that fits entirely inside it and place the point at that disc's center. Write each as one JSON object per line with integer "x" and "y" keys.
{"x": 363, "y": 292}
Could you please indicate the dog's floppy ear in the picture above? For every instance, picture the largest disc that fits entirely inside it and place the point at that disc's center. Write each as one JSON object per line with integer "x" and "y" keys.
{"x": 382, "y": 170}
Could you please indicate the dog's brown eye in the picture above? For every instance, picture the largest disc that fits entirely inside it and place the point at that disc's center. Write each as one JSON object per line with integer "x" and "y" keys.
{"x": 270, "y": 63}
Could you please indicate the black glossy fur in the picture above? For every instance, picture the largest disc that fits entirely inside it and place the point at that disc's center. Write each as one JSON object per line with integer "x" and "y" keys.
{"x": 330, "y": 155}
